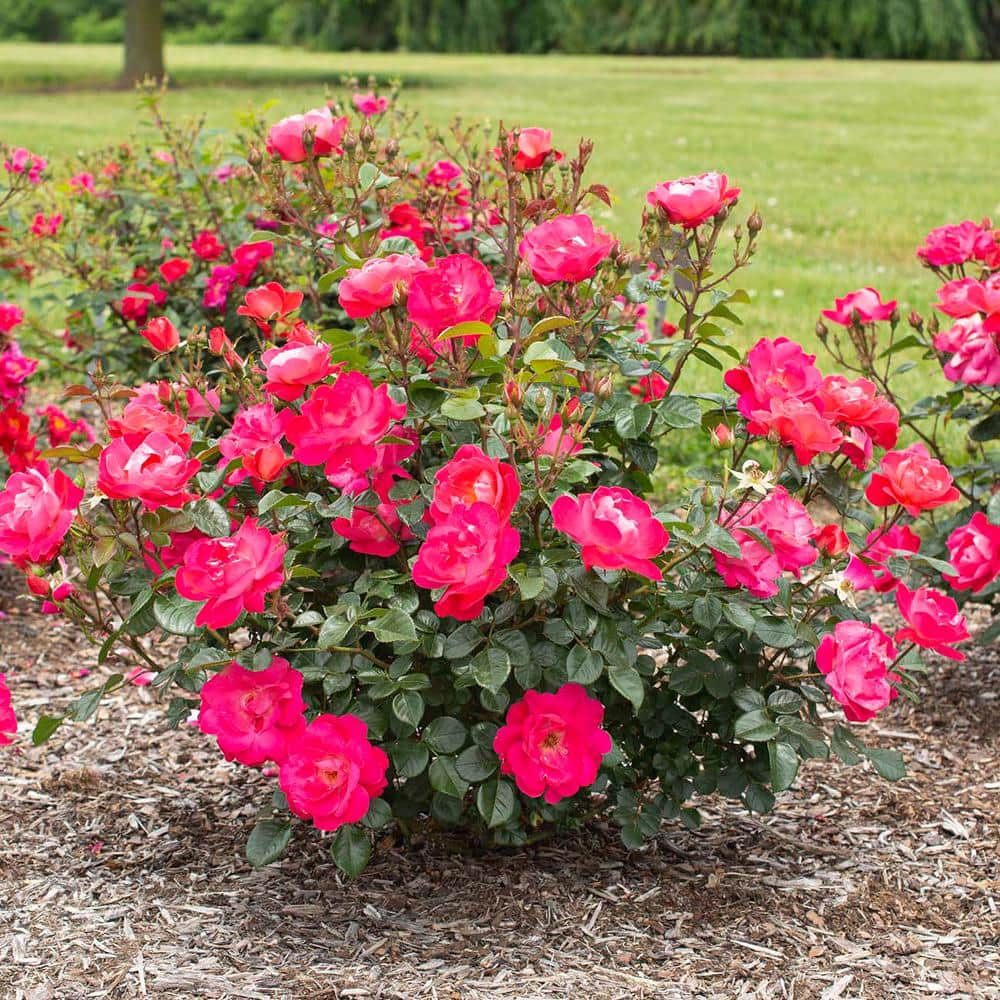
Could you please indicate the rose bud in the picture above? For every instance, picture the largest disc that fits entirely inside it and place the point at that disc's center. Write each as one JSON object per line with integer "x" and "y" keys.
{"x": 832, "y": 540}
{"x": 722, "y": 436}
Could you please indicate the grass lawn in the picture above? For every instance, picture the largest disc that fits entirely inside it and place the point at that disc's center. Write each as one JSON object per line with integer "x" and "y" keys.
{"x": 849, "y": 162}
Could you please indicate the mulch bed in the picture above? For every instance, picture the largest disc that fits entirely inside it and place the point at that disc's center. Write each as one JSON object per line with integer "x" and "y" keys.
{"x": 122, "y": 875}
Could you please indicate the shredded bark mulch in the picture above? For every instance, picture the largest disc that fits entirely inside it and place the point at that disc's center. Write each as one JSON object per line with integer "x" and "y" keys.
{"x": 122, "y": 874}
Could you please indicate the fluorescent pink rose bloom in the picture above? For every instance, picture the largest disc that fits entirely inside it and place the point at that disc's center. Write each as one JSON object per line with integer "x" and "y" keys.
{"x": 756, "y": 570}
{"x": 866, "y": 302}
{"x": 256, "y": 715}
{"x": 333, "y": 772}
{"x": 385, "y": 466}
{"x": 857, "y": 403}
{"x": 255, "y": 438}
{"x": 832, "y": 540}
{"x": 650, "y": 388}
{"x": 379, "y": 532}
{"x": 15, "y": 370}
{"x": 374, "y": 286}
{"x": 369, "y": 104}
{"x": 473, "y": 477}
{"x": 151, "y": 468}
{"x": 285, "y": 138}
{"x": 774, "y": 369}
{"x": 985, "y": 295}
{"x": 855, "y": 659}
{"x": 11, "y": 315}
{"x": 974, "y": 350}
{"x": 533, "y": 148}
{"x": 899, "y": 541}
{"x": 957, "y": 298}
{"x": 933, "y": 620}
{"x": 135, "y": 306}
{"x": 615, "y": 529}
{"x": 340, "y": 424}
{"x": 457, "y": 289}
{"x": 800, "y": 426}
{"x": 36, "y": 510}
{"x": 161, "y": 334}
{"x": 567, "y": 248}
{"x": 467, "y": 554}
{"x": 161, "y": 559}
{"x": 8, "y": 720}
{"x": 974, "y": 551}
{"x": 145, "y": 414}
{"x": 443, "y": 173}
{"x": 232, "y": 575}
{"x": 912, "y": 479}
{"x": 290, "y": 369}
{"x": 689, "y": 201}
{"x": 553, "y": 744}
{"x": 955, "y": 244}
{"x": 559, "y": 440}
{"x": 43, "y": 225}
{"x": 269, "y": 302}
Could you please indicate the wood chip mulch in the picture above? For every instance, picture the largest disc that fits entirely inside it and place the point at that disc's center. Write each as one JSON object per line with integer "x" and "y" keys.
{"x": 122, "y": 875}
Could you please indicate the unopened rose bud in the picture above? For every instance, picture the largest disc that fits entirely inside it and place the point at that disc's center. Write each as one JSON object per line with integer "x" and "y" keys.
{"x": 38, "y": 585}
{"x": 367, "y": 135}
{"x": 254, "y": 157}
{"x": 821, "y": 331}
{"x": 932, "y": 323}
{"x": 894, "y": 317}
{"x": 605, "y": 387}
{"x": 915, "y": 320}
{"x": 832, "y": 540}
{"x": 755, "y": 223}
{"x": 349, "y": 142}
{"x": 391, "y": 149}
{"x": 513, "y": 393}
{"x": 722, "y": 436}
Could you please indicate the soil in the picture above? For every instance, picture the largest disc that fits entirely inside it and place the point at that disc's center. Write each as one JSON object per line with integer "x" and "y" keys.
{"x": 122, "y": 873}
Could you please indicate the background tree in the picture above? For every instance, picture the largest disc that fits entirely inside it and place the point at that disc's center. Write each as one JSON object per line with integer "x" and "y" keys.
{"x": 143, "y": 41}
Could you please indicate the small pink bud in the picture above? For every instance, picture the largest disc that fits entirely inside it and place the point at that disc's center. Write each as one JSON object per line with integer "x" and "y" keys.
{"x": 722, "y": 436}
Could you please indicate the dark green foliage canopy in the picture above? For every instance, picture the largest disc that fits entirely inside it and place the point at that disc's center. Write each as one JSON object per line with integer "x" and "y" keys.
{"x": 905, "y": 29}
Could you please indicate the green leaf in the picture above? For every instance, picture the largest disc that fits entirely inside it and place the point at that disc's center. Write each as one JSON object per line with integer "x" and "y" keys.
{"x": 529, "y": 580}
{"x": 460, "y": 643}
{"x": 460, "y": 408}
{"x": 209, "y": 517}
{"x": 757, "y": 798}
{"x": 846, "y": 745}
{"x": 547, "y": 325}
{"x": 394, "y": 626}
{"x": 993, "y": 509}
{"x": 888, "y": 763}
{"x": 739, "y": 615}
{"x": 632, "y": 421}
{"x": 408, "y": 707}
{"x": 784, "y": 700}
{"x": 471, "y": 328}
{"x": 351, "y": 850}
{"x": 986, "y": 430}
{"x": 716, "y": 537}
{"x": 784, "y": 763}
{"x": 45, "y": 727}
{"x": 680, "y": 412}
{"x": 408, "y": 758}
{"x": 267, "y": 842}
{"x": 583, "y": 666}
{"x": 496, "y": 802}
{"x": 476, "y": 763}
{"x": 491, "y": 668}
{"x": 333, "y": 632}
{"x": 444, "y": 777}
{"x": 176, "y": 615}
{"x": 627, "y": 682}
{"x": 755, "y": 727}
{"x": 444, "y": 735}
{"x": 379, "y": 814}
{"x": 779, "y": 633}
{"x": 707, "y": 612}
{"x": 748, "y": 699}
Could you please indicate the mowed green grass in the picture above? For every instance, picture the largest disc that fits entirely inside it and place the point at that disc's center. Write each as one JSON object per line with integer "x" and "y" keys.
{"x": 850, "y": 163}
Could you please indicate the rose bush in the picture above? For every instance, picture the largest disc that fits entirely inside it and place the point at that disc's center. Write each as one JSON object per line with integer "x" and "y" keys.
{"x": 391, "y": 473}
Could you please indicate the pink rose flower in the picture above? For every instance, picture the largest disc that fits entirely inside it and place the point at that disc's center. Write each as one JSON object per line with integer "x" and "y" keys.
{"x": 650, "y": 388}
{"x": 473, "y": 477}
{"x": 161, "y": 334}
{"x": 8, "y": 720}
{"x": 559, "y": 440}
{"x": 269, "y": 302}
{"x": 858, "y": 404}
{"x": 866, "y": 302}
{"x": 974, "y": 551}
{"x": 294, "y": 367}
{"x": 340, "y": 423}
{"x": 553, "y": 744}
{"x": 974, "y": 350}
{"x": 151, "y": 468}
{"x": 958, "y": 298}
{"x": 256, "y": 715}
{"x": 136, "y": 306}
{"x": 286, "y": 137}
{"x": 333, "y": 772}
{"x": 832, "y": 540}
{"x": 247, "y": 257}
{"x": 566, "y": 248}
{"x": 855, "y": 659}
{"x": 15, "y": 370}
{"x": 615, "y": 529}
{"x": 145, "y": 414}
{"x": 232, "y": 575}
{"x": 800, "y": 426}
{"x": 912, "y": 479}
{"x": 534, "y": 145}
{"x": 443, "y": 173}
{"x": 899, "y": 541}
{"x": 933, "y": 620}
{"x": 36, "y": 510}
{"x": 161, "y": 559}
{"x": 379, "y": 532}
{"x": 11, "y": 315}
{"x": 774, "y": 369}
{"x": 456, "y": 290}
{"x": 43, "y": 225}
{"x": 174, "y": 269}
{"x": 206, "y": 245}
{"x": 255, "y": 439}
{"x": 467, "y": 554}
{"x": 369, "y": 104}
{"x": 689, "y": 201}
{"x": 373, "y": 286}
{"x": 955, "y": 244}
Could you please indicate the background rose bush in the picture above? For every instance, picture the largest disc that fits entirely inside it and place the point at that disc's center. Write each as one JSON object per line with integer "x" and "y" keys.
{"x": 394, "y": 480}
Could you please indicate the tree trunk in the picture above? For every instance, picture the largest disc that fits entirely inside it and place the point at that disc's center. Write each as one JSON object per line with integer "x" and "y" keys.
{"x": 143, "y": 41}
